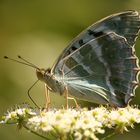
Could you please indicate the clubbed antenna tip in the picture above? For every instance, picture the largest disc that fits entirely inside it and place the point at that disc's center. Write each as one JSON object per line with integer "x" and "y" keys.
{"x": 6, "y": 57}
{"x": 19, "y": 56}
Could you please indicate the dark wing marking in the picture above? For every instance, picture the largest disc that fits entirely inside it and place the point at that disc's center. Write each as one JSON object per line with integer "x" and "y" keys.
{"x": 105, "y": 69}
{"x": 125, "y": 24}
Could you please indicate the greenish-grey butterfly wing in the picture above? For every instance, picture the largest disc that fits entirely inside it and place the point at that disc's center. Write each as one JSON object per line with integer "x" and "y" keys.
{"x": 100, "y": 64}
{"x": 125, "y": 24}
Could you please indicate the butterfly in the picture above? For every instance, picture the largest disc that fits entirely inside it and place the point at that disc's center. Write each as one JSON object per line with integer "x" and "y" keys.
{"x": 100, "y": 64}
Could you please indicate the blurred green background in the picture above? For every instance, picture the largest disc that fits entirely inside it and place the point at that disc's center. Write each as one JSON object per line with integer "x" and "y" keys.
{"x": 39, "y": 30}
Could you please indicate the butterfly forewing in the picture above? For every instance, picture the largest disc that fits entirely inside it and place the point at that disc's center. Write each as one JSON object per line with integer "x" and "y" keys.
{"x": 100, "y": 64}
{"x": 125, "y": 24}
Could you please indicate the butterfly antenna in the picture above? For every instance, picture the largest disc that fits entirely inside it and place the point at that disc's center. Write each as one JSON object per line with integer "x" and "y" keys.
{"x": 31, "y": 64}
{"x": 24, "y": 63}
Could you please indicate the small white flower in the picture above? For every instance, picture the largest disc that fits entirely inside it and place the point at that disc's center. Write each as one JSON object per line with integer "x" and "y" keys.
{"x": 20, "y": 112}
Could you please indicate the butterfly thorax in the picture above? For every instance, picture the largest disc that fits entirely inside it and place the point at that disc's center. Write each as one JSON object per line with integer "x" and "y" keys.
{"x": 50, "y": 80}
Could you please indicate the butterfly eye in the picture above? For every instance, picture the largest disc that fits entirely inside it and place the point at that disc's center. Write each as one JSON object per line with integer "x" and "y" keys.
{"x": 48, "y": 70}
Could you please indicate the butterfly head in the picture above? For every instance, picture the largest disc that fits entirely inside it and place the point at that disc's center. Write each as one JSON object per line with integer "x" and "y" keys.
{"x": 41, "y": 73}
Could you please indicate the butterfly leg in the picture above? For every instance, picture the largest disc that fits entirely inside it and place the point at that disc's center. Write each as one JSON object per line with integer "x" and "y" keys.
{"x": 71, "y": 98}
{"x": 66, "y": 96}
{"x": 65, "y": 89}
{"x": 47, "y": 95}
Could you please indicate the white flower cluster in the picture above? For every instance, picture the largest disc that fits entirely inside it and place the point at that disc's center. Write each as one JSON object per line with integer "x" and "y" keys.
{"x": 16, "y": 114}
{"x": 76, "y": 123}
